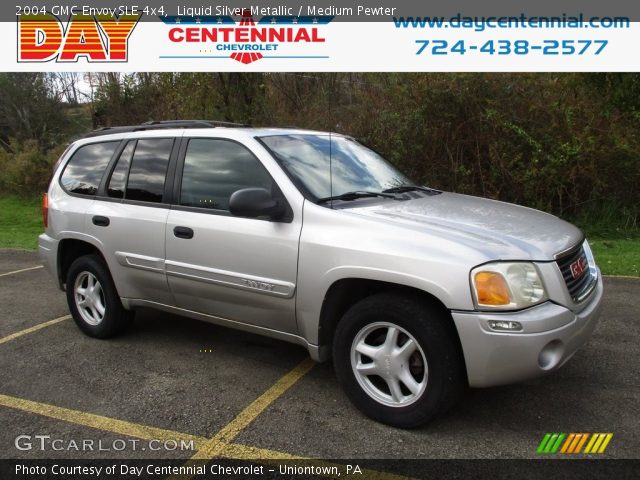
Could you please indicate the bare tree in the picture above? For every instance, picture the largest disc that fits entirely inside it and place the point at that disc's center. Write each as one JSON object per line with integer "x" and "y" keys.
{"x": 67, "y": 84}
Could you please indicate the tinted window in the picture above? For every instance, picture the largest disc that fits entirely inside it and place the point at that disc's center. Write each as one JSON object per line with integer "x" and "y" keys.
{"x": 149, "y": 169}
{"x": 119, "y": 176}
{"x": 85, "y": 168}
{"x": 214, "y": 169}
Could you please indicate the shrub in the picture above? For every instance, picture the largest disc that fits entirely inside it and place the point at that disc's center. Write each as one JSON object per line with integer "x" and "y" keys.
{"x": 25, "y": 171}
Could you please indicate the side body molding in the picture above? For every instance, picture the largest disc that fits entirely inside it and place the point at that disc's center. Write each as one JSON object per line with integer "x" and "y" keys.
{"x": 265, "y": 286}
{"x": 262, "y": 285}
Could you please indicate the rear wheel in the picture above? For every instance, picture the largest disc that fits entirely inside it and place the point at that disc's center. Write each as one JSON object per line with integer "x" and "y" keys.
{"x": 398, "y": 359}
{"x": 93, "y": 300}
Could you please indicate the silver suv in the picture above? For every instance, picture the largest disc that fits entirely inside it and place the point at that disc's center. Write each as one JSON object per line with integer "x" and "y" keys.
{"x": 313, "y": 238}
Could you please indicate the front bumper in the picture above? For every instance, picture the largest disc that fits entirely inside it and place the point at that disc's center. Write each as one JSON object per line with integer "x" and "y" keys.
{"x": 551, "y": 335}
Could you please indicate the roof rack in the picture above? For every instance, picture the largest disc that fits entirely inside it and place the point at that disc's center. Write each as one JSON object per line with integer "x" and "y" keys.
{"x": 164, "y": 124}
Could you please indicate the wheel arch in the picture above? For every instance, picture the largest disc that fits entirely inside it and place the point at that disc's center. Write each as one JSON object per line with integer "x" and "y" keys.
{"x": 342, "y": 294}
{"x": 70, "y": 249}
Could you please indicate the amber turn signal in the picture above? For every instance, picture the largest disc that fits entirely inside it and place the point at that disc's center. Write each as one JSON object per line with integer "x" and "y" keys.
{"x": 491, "y": 289}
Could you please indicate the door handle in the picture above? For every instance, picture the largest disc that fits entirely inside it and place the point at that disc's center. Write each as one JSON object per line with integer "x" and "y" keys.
{"x": 183, "y": 232}
{"x": 100, "y": 221}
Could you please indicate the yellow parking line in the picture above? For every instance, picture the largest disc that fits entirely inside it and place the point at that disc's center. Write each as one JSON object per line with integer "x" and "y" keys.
{"x": 249, "y": 414}
{"x": 216, "y": 446}
{"x": 20, "y": 271}
{"x": 35, "y": 328}
{"x": 121, "y": 427}
{"x": 236, "y": 451}
{"x": 99, "y": 422}
{"x": 130, "y": 429}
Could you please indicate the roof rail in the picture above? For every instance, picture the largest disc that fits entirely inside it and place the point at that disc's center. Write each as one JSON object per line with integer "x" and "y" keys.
{"x": 164, "y": 124}
{"x": 197, "y": 123}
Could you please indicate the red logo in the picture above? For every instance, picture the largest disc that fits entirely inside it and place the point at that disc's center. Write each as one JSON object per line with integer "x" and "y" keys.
{"x": 245, "y": 41}
{"x": 578, "y": 267}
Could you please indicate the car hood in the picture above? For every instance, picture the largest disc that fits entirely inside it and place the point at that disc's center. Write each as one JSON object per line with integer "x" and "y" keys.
{"x": 499, "y": 230}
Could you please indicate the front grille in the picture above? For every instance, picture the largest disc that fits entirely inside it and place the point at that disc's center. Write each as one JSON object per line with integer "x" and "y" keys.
{"x": 580, "y": 286}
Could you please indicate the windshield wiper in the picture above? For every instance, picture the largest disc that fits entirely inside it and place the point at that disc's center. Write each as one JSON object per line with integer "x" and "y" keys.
{"x": 411, "y": 188}
{"x": 355, "y": 195}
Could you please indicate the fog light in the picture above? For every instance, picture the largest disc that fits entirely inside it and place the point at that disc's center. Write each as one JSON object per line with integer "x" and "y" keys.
{"x": 551, "y": 355}
{"x": 505, "y": 325}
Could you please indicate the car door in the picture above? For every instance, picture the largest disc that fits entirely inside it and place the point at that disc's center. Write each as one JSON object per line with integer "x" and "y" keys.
{"x": 241, "y": 269}
{"x": 129, "y": 219}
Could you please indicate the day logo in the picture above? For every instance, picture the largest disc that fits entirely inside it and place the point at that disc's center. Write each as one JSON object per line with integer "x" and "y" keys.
{"x": 43, "y": 37}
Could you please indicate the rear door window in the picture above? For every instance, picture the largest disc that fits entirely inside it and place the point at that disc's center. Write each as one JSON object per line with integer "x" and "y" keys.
{"x": 148, "y": 170}
{"x": 83, "y": 172}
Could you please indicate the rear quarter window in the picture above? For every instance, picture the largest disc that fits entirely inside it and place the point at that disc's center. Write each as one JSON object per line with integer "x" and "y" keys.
{"x": 148, "y": 170}
{"x": 85, "y": 168}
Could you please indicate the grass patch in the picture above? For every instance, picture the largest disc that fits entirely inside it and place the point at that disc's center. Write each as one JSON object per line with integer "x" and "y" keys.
{"x": 617, "y": 257}
{"x": 616, "y": 245}
{"x": 20, "y": 223}
{"x": 613, "y": 232}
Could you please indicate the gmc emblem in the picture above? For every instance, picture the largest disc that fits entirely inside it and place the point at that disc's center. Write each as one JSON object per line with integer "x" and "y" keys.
{"x": 578, "y": 267}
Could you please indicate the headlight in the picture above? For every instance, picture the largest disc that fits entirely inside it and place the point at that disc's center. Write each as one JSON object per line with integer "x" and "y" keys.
{"x": 507, "y": 286}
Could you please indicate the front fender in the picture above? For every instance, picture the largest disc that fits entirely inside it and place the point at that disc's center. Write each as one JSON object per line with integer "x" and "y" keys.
{"x": 313, "y": 292}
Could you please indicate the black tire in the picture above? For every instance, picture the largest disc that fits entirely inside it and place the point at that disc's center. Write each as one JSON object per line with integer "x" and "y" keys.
{"x": 432, "y": 329}
{"x": 115, "y": 318}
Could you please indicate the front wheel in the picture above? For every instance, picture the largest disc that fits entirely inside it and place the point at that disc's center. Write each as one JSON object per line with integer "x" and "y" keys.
{"x": 93, "y": 300}
{"x": 398, "y": 359}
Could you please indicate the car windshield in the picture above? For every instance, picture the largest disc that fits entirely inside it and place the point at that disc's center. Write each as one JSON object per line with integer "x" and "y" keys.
{"x": 353, "y": 167}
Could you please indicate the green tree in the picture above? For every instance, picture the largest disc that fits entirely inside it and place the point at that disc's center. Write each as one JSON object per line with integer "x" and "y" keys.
{"x": 30, "y": 109}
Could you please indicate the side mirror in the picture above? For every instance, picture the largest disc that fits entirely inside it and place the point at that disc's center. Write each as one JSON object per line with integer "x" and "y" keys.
{"x": 255, "y": 202}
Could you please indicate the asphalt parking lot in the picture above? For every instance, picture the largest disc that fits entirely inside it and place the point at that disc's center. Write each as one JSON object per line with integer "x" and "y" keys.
{"x": 237, "y": 395}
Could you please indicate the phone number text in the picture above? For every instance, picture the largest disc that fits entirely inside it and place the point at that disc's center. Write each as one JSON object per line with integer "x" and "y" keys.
{"x": 511, "y": 47}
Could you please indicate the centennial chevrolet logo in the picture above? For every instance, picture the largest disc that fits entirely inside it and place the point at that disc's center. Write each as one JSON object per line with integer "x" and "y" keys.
{"x": 246, "y": 41}
{"x": 43, "y": 37}
{"x": 578, "y": 267}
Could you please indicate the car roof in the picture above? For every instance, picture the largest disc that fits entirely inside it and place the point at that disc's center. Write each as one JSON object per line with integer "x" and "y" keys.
{"x": 199, "y": 127}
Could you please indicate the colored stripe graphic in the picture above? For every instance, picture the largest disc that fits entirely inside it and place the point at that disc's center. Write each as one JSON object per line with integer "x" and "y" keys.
{"x": 551, "y": 442}
{"x": 573, "y": 442}
{"x": 576, "y": 443}
{"x": 581, "y": 442}
{"x": 566, "y": 445}
{"x": 543, "y": 443}
{"x": 598, "y": 442}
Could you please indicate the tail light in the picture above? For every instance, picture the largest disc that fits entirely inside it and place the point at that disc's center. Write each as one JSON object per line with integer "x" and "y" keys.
{"x": 45, "y": 210}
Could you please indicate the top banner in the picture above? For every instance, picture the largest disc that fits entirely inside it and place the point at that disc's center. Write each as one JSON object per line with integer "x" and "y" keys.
{"x": 319, "y": 36}
{"x": 356, "y": 11}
